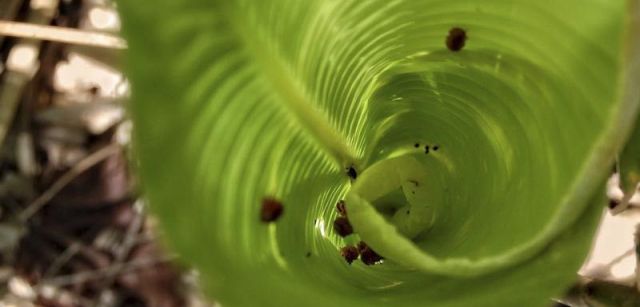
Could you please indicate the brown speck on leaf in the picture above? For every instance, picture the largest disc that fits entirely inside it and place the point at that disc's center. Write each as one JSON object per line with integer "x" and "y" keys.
{"x": 342, "y": 226}
{"x": 349, "y": 253}
{"x": 367, "y": 255}
{"x": 271, "y": 210}
{"x": 340, "y": 206}
{"x": 456, "y": 39}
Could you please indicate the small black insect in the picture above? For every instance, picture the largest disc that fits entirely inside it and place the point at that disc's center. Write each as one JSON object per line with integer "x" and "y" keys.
{"x": 367, "y": 255}
{"x": 456, "y": 39}
{"x": 613, "y": 204}
{"x": 271, "y": 210}
{"x": 342, "y": 209}
{"x": 349, "y": 253}
{"x": 351, "y": 172}
{"x": 426, "y": 149}
{"x": 435, "y": 147}
{"x": 342, "y": 226}
{"x": 416, "y": 145}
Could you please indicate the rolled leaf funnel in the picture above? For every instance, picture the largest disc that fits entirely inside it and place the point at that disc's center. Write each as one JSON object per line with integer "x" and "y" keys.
{"x": 469, "y": 140}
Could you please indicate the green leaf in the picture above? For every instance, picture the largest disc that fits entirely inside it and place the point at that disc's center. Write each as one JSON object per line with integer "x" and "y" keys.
{"x": 235, "y": 101}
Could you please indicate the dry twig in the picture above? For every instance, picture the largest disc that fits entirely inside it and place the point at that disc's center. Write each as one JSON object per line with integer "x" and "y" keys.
{"x": 61, "y": 35}
{"x": 65, "y": 179}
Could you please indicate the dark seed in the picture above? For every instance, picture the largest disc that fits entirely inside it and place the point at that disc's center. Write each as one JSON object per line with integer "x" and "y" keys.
{"x": 426, "y": 149}
{"x": 613, "y": 203}
{"x": 342, "y": 226}
{"x": 416, "y": 145}
{"x": 349, "y": 253}
{"x": 271, "y": 210}
{"x": 435, "y": 147}
{"x": 456, "y": 39}
{"x": 351, "y": 172}
{"x": 340, "y": 206}
{"x": 367, "y": 255}
{"x": 370, "y": 257}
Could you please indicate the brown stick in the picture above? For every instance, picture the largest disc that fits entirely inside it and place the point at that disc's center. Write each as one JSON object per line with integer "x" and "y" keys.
{"x": 65, "y": 179}
{"x": 61, "y": 35}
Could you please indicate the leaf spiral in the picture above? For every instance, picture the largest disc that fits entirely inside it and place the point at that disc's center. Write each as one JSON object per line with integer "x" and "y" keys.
{"x": 235, "y": 101}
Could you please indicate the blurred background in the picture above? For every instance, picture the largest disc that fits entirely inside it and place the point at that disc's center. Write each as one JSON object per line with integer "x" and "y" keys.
{"x": 74, "y": 229}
